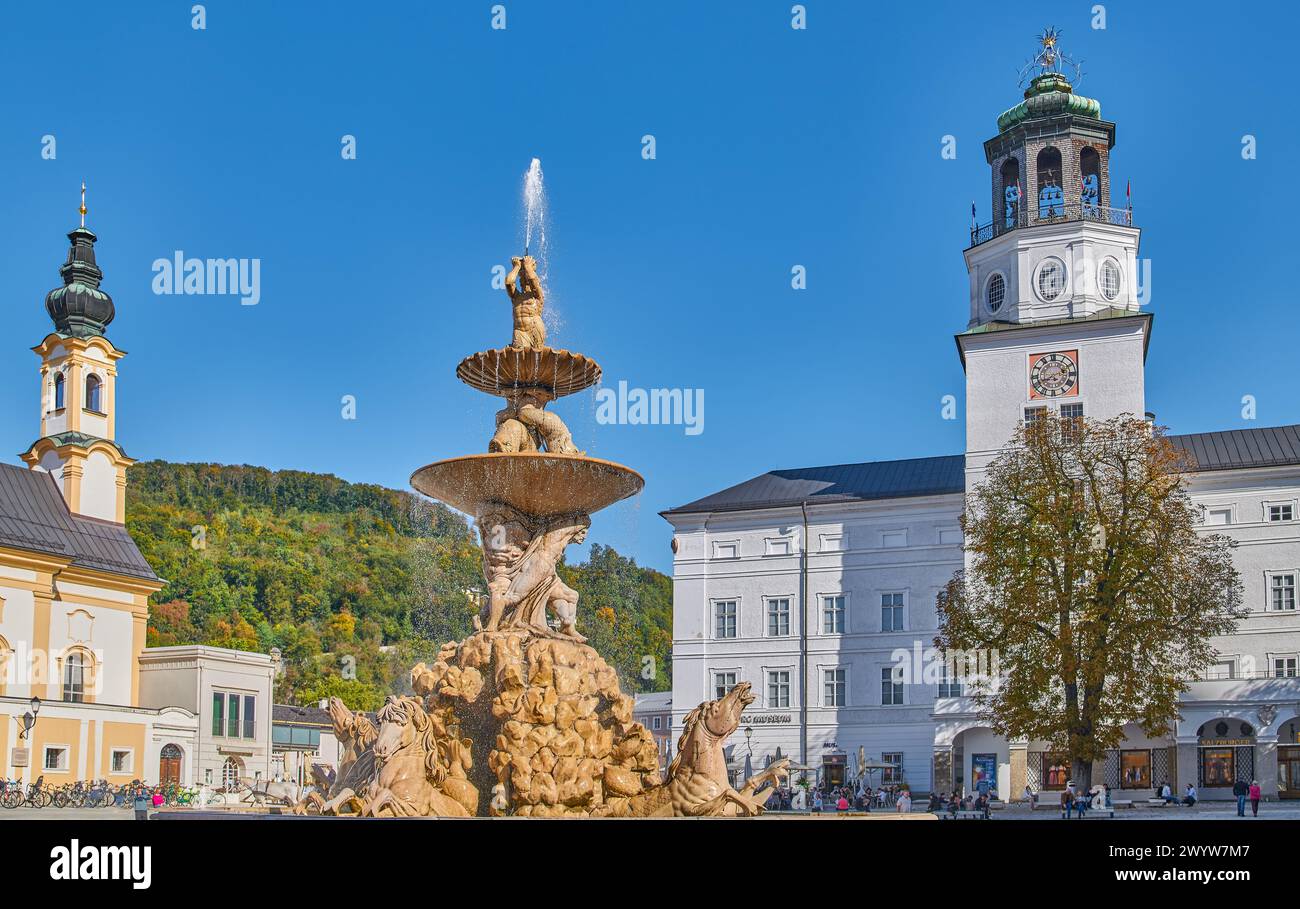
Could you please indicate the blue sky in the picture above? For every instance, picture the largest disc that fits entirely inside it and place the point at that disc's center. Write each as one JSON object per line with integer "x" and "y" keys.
{"x": 775, "y": 148}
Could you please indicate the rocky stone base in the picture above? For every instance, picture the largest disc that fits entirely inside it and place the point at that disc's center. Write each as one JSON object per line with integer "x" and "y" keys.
{"x": 552, "y": 731}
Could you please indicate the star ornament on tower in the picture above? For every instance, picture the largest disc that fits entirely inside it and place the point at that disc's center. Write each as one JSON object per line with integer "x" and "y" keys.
{"x": 1049, "y": 58}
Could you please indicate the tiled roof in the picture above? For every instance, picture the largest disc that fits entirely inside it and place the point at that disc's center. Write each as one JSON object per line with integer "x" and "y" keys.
{"x": 34, "y": 517}
{"x": 654, "y": 702}
{"x": 839, "y": 483}
{"x": 1227, "y": 450}
{"x": 309, "y": 716}
{"x": 1273, "y": 446}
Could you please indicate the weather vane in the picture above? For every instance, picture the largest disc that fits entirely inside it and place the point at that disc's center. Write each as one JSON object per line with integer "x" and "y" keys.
{"x": 1051, "y": 59}
{"x": 83, "y": 203}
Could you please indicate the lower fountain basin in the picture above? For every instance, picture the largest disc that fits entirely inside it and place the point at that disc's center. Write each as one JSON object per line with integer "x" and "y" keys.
{"x": 535, "y": 483}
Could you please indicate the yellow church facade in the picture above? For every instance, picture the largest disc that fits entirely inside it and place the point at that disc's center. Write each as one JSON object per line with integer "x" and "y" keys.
{"x": 75, "y": 589}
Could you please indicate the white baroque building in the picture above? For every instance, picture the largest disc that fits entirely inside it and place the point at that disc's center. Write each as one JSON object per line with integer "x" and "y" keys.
{"x": 804, "y": 582}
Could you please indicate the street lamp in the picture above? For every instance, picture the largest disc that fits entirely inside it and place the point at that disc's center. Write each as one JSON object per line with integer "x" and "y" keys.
{"x": 749, "y": 735}
{"x": 29, "y": 719}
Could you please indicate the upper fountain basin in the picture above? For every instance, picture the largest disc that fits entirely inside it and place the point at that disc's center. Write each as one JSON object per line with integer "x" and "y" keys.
{"x": 541, "y": 484}
{"x": 496, "y": 372}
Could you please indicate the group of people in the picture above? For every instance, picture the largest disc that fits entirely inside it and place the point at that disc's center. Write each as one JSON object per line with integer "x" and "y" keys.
{"x": 1244, "y": 792}
{"x": 952, "y": 803}
{"x": 1075, "y": 802}
{"x": 839, "y": 798}
{"x": 1190, "y": 795}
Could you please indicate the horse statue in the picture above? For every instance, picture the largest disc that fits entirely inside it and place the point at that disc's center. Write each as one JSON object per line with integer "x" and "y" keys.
{"x": 409, "y": 756}
{"x": 356, "y": 737}
{"x": 698, "y": 784}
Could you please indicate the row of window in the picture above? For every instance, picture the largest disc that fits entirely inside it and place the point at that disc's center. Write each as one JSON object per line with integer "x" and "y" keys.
{"x": 56, "y": 758}
{"x": 834, "y": 611}
{"x": 830, "y": 542}
{"x": 834, "y": 614}
{"x": 1069, "y": 413}
{"x": 835, "y": 692}
{"x": 1273, "y": 513}
{"x": 1279, "y": 667}
{"x": 227, "y": 719}
{"x": 1051, "y": 283}
{"x": 94, "y": 397}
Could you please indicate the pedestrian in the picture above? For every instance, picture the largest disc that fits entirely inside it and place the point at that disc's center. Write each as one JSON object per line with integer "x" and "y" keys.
{"x": 1254, "y": 797}
{"x": 1067, "y": 804}
{"x": 1031, "y": 797}
{"x": 817, "y": 801}
{"x": 1166, "y": 793}
{"x": 905, "y": 803}
{"x": 1241, "y": 791}
{"x": 842, "y": 804}
{"x": 1190, "y": 798}
{"x": 141, "y": 804}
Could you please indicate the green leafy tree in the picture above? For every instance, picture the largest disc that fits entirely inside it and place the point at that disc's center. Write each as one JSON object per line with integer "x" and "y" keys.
{"x": 1091, "y": 580}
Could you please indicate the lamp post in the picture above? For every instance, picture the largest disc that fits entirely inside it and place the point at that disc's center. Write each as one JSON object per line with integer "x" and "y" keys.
{"x": 29, "y": 719}
{"x": 749, "y": 738}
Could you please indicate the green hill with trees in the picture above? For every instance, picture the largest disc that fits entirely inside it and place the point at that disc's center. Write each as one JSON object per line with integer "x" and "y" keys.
{"x": 354, "y": 583}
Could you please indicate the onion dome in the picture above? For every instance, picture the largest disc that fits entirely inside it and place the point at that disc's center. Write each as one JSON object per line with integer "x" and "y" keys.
{"x": 1048, "y": 94}
{"x": 79, "y": 308}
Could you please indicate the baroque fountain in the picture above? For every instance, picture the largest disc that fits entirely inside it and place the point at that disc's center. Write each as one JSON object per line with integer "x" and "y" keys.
{"x": 523, "y": 717}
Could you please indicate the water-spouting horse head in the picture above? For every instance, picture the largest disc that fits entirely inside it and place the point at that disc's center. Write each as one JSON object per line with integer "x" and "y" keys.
{"x": 706, "y": 728}
{"x": 722, "y": 717}
{"x": 402, "y": 722}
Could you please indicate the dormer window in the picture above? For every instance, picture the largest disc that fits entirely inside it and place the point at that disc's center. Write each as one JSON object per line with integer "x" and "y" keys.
{"x": 94, "y": 394}
{"x": 58, "y": 391}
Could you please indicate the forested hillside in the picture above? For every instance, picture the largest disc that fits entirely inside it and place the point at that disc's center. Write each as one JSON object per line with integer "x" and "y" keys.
{"x": 353, "y": 583}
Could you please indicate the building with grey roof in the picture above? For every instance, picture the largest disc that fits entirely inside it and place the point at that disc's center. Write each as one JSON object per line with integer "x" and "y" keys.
{"x": 813, "y": 583}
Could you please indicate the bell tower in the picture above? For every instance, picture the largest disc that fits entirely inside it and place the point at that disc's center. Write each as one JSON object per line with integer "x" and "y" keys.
{"x": 78, "y": 400}
{"x": 1056, "y": 247}
{"x": 1054, "y": 321}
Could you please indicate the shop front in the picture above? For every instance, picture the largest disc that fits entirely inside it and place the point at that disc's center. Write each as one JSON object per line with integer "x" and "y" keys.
{"x": 1225, "y": 754}
{"x": 834, "y": 770}
{"x": 1288, "y": 771}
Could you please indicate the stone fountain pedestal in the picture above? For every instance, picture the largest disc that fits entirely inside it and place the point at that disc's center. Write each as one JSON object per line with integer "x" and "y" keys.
{"x": 551, "y": 731}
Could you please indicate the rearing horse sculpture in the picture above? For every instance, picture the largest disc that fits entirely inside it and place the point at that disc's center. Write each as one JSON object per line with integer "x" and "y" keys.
{"x": 356, "y": 736}
{"x": 698, "y": 784}
{"x": 408, "y": 764}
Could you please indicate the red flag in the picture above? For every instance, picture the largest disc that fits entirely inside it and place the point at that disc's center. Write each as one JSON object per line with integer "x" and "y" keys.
{"x": 1128, "y": 189}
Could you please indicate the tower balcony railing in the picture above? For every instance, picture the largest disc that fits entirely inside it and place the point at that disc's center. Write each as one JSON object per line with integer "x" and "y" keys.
{"x": 1055, "y": 213}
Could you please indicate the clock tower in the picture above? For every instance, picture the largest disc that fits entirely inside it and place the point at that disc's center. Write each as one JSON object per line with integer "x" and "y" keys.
{"x": 1054, "y": 318}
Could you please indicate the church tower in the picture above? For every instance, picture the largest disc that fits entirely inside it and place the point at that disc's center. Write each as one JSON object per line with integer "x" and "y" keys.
{"x": 1054, "y": 309}
{"x": 78, "y": 401}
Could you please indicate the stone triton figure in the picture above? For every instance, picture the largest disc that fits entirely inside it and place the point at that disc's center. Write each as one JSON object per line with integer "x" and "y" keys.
{"x": 523, "y": 425}
{"x": 519, "y": 559}
{"x": 527, "y": 299}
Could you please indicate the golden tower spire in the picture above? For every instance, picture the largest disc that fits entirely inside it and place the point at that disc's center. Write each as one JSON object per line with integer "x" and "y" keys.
{"x": 83, "y": 203}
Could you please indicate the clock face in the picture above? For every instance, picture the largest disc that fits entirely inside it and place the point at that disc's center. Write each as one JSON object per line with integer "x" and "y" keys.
{"x": 1054, "y": 375}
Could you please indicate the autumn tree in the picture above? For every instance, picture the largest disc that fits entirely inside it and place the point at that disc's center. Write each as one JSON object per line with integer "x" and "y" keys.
{"x": 1088, "y": 576}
